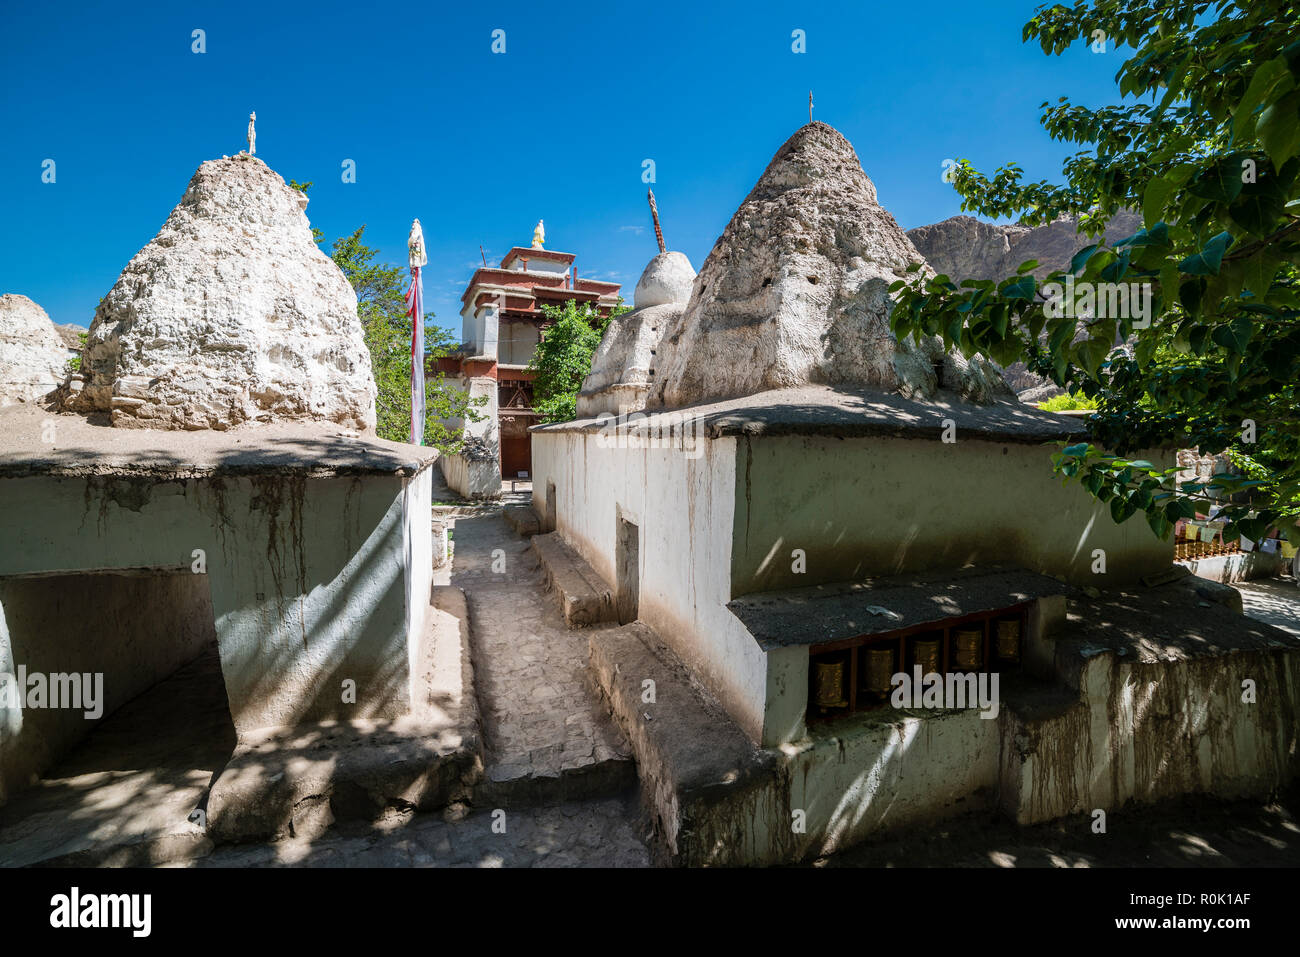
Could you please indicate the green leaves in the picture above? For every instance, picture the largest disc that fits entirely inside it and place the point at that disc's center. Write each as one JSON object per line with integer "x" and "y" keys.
{"x": 1205, "y": 139}
{"x": 1279, "y": 128}
{"x": 1257, "y": 275}
{"x": 1253, "y": 528}
{"x": 1080, "y": 259}
{"x": 1156, "y": 236}
{"x": 1234, "y": 336}
{"x": 1266, "y": 78}
{"x": 1090, "y": 353}
{"x": 1209, "y": 259}
{"x": 563, "y": 358}
{"x": 1259, "y": 207}
{"x": 1022, "y": 288}
{"x": 1156, "y": 198}
{"x": 381, "y": 306}
{"x": 1159, "y": 524}
{"x": 1220, "y": 183}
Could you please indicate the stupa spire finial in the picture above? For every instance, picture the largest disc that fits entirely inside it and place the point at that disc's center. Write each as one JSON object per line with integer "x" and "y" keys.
{"x": 654, "y": 215}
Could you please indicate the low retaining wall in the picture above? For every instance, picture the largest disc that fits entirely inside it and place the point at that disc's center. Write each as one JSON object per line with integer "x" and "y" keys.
{"x": 472, "y": 478}
{"x": 1237, "y": 567}
{"x": 1113, "y": 724}
{"x": 1147, "y": 731}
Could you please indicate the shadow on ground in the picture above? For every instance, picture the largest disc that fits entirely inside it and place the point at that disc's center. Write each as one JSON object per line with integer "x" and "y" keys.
{"x": 1190, "y": 832}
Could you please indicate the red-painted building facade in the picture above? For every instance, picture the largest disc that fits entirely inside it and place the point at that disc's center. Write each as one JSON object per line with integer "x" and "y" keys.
{"x": 502, "y": 323}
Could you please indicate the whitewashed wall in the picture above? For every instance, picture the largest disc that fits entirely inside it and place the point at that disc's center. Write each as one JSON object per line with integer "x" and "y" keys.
{"x": 307, "y": 576}
{"x": 878, "y": 506}
{"x": 683, "y": 507}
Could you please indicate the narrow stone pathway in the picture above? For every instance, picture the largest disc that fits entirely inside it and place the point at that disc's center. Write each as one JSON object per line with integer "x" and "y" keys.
{"x": 547, "y": 735}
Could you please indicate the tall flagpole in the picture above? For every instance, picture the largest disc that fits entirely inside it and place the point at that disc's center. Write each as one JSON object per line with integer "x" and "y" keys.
{"x": 415, "y": 300}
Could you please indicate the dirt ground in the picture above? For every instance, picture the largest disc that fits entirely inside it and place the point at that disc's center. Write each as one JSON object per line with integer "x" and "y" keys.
{"x": 1193, "y": 832}
{"x": 1273, "y": 600}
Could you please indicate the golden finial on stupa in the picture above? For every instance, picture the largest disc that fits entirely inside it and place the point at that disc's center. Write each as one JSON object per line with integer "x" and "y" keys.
{"x": 539, "y": 235}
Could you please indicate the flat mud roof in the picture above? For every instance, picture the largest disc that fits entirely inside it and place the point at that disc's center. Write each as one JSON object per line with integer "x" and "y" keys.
{"x": 79, "y": 447}
{"x": 1178, "y": 621}
{"x": 844, "y": 413}
{"x": 810, "y": 616}
{"x": 1182, "y": 619}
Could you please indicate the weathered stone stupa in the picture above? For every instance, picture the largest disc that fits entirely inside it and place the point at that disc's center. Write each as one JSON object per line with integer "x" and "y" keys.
{"x": 623, "y": 368}
{"x": 795, "y": 291}
{"x": 230, "y": 315}
{"x": 32, "y": 353}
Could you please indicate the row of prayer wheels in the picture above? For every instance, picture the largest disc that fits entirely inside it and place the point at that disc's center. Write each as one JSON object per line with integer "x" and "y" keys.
{"x": 1188, "y": 550}
{"x": 877, "y": 663}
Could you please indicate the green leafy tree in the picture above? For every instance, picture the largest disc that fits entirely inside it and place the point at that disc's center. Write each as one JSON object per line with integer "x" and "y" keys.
{"x": 563, "y": 357}
{"x": 444, "y": 402}
{"x": 1206, "y": 143}
{"x": 381, "y": 304}
{"x": 386, "y": 327}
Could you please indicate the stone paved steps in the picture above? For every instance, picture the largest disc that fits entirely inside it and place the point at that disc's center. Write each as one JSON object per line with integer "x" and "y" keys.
{"x": 597, "y": 833}
{"x": 537, "y": 784}
{"x": 585, "y": 598}
{"x": 522, "y": 519}
{"x": 548, "y": 736}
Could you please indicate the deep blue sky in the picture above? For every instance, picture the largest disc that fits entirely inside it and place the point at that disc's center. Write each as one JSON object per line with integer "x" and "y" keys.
{"x": 480, "y": 145}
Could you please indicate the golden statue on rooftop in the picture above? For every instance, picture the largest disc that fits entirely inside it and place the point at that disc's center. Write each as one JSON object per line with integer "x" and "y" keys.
{"x": 539, "y": 234}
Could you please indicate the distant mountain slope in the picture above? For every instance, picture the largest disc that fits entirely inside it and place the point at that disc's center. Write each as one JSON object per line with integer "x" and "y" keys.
{"x": 963, "y": 247}
{"x": 966, "y": 248}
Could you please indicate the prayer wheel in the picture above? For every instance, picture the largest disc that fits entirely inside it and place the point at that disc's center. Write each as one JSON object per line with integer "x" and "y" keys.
{"x": 1009, "y": 639}
{"x": 880, "y": 670}
{"x": 830, "y": 684}
{"x": 968, "y": 648}
{"x": 926, "y": 653}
